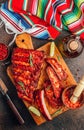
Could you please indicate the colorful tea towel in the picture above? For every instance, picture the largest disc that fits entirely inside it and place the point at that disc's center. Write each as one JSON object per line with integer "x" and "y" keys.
{"x": 43, "y": 18}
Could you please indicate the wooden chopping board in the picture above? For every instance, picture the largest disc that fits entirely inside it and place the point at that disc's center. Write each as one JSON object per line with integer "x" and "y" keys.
{"x": 70, "y": 81}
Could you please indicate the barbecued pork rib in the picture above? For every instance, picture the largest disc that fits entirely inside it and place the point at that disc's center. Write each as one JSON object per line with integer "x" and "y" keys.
{"x": 60, "y": 72}
{"x": 26, "y": 68}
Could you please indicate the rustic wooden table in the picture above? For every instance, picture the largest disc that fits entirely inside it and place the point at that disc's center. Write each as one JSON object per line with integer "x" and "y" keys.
{"x": 70, "y": 120}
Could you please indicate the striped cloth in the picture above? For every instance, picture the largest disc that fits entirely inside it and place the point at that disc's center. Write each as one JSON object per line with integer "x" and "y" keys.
{"x": 44, "y": 18}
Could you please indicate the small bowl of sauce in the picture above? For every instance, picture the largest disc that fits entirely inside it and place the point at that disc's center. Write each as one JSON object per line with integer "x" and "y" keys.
{"x": 66, "y": 95}
{"x": 4, "y": 52}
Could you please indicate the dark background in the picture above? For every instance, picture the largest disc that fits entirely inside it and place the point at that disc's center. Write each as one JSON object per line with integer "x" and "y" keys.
{"x": 70, "y": 120}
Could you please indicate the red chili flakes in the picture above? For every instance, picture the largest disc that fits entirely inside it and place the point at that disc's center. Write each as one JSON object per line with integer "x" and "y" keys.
{"x": 67, "y": 101}
{"x": 3, "y": 51}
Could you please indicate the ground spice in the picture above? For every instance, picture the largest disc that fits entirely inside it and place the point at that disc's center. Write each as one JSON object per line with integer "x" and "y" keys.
{"x": 3, "y": 51}
{"x": 67, "y": 97}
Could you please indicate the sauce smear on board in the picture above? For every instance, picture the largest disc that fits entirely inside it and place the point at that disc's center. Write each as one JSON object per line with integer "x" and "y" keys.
{"x": 3, "y": 51}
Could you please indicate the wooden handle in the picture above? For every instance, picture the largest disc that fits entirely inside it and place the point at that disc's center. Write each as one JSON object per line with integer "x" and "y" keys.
{"x": 3, "y": 86}
{"x": 14, "y": 109}
{"x": 10, "y": 103}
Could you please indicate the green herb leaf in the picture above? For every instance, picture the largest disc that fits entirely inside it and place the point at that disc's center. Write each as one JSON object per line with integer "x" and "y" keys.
{"x": 56, "y": 113}
{"x": 21, "y": 83}
{"x": 31, "y": 60}
{"x": 58, "y": 57}
{"x": 22, "y": 86}
{"x": 48, "y": 87}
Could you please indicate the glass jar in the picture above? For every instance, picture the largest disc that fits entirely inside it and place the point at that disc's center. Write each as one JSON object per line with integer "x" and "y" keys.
{"x": 70, "y": 46}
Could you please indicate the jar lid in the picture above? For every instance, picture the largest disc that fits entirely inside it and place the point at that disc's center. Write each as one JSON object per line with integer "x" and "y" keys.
{"x": 73, "y": 44}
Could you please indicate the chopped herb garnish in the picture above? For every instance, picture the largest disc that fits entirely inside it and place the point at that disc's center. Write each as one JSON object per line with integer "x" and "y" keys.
{"x": 58, "y": 57}
{"x": 56, "y": 113}
{"x": 48, "y": 87}
{"x": 31, "y": 60}
{"x": 22, "y": 86}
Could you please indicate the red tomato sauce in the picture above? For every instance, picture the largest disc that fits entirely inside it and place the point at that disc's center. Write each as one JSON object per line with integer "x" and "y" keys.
{"x": 3, "y": 51}
{"x": 67, "y": 97}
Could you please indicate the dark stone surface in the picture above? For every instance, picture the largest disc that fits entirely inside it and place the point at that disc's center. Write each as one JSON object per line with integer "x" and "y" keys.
{"x": 70, "y": 120}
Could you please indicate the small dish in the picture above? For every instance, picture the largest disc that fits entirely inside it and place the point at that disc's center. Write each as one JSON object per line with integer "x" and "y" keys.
{"x": 66, "y": 95}
{"x": 4, "y": 52}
